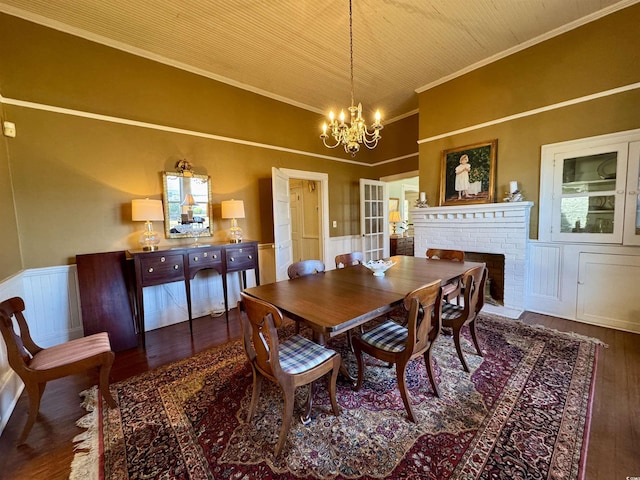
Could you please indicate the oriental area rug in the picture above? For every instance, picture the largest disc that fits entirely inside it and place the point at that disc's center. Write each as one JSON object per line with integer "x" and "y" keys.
{"x": 522, "y": 412}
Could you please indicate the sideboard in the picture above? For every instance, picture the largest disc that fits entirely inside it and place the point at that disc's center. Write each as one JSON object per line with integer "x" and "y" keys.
{"x": 181, "y": 264}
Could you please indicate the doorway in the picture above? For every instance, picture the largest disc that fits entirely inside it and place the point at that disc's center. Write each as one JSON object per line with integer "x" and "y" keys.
{"x": 304, "y": 201}
{"x": 281, "y": 179}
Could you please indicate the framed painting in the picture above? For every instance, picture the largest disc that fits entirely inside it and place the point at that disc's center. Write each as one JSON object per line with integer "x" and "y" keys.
{"x": 468, "y": 174}
{"x": 394, "y": 204}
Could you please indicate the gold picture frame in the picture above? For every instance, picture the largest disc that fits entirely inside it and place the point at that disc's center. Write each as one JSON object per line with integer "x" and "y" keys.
{"x": 394, "y": 204}
{"x": 468, "y": 174}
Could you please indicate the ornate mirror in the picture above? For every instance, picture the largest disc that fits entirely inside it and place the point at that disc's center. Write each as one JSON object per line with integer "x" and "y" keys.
{"x": 187, "y": 204}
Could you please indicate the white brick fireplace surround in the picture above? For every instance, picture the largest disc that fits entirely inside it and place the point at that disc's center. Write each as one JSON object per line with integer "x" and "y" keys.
{"x": 501, "y": 228}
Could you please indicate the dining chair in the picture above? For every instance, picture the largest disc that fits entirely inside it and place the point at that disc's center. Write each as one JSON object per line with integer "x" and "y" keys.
{"x": 396, "y": 344}
{"x": 453, "y": 289}
{"x": 349, "y": 259}
{"x": 295, "y": 362}
{"x": 36, "y": 365}
{"x": 304, "y": 268}
{"x": 456, "y": 316}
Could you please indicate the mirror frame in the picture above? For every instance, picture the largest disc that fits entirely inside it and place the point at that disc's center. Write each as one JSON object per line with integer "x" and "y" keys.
{"x": 165, "y": 201}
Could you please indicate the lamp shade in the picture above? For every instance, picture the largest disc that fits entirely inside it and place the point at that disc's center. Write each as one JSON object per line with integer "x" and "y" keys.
{"x": 395, "y": 216}
{"x": 232, "y": 209}
{"x": 144, "y": 209}
{"x": 189, "y": 200}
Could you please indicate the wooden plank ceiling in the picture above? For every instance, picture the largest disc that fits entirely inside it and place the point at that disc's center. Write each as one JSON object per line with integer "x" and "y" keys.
{"x": 298, "y": 50}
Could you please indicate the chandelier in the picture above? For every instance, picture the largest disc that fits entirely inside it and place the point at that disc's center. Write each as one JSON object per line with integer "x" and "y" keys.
{"x": 352, "y": 135}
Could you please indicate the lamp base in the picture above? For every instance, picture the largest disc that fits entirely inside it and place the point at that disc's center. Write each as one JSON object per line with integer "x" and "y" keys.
{"x": 235, "y": 232}
{"x": 149, "y": 239}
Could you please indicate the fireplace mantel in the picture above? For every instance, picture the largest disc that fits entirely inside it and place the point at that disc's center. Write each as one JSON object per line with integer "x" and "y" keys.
{"x": 501, "y": 228}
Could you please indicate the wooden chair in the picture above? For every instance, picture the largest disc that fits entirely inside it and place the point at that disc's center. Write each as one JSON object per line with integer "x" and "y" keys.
{"x": 304, "y": 268}
{"x": 36, "y": 365}
{"x": 456, "y": 316}
{"x": 393, "y": 343}
{"x": 453, "y": 289}
{"x": 296, "y": 361}
{"x": 349, "y": 259}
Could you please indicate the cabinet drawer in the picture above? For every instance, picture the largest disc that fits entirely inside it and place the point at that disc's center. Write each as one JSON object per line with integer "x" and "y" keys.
{"x": 241, "y": 258}
{"x": 205, "y": 258}
{"x": 161, "y": 269}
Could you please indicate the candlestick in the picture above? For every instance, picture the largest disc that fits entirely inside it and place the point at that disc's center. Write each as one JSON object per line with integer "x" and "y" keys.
{"x": 423, "y": 197}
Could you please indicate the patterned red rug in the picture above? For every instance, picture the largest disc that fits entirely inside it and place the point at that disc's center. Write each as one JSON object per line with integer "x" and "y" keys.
{"x": 522, "y": 413}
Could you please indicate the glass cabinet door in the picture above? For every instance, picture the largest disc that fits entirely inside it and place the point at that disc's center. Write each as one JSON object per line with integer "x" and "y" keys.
{"x": 632, "y": 208}
{"x": 589, "y": 194}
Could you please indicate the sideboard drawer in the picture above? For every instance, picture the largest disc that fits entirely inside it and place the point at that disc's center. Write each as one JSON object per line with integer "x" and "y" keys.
{"x": 205, "y": 258}
{"x": 242, "y": 258}
{"x": 161, "y": 269}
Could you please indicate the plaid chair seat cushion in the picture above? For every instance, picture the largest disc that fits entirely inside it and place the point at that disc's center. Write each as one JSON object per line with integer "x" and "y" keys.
{"x": 451, "y": 311}
{"x": 298, "y": 354}
{"x": 388, "y": 336}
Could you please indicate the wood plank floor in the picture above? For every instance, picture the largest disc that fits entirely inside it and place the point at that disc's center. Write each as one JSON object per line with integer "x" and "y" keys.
{"x": 614, "y": 445}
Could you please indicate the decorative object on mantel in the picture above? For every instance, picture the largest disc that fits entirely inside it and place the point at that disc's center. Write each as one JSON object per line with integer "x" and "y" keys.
{"x": 422, "y": 201}
{"x": 351, "y": 136}
{"x": 514, "y": 194}
{"x": 468, "y": 174}
{"x": 147, "y": 210}
{"x": 233, "y": 209}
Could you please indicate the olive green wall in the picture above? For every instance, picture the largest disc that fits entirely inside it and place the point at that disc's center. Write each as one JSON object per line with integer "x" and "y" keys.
{"x": 74, "y": 175}
{"x": 594, "y": 58}
{"x": 10, "y": 258}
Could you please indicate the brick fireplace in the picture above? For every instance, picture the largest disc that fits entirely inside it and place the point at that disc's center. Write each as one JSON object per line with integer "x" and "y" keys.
{"x": 493, "y": 228}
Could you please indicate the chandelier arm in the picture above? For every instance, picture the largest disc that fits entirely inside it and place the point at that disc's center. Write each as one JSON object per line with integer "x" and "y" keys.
{"x": 324, "y": 140}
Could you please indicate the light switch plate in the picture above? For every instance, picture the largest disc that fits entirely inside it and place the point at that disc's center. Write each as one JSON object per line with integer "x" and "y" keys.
{"x": 9, "y": 129}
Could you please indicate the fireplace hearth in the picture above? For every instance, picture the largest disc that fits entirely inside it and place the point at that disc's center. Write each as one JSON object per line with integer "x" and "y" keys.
{"x": 500, "y": 229}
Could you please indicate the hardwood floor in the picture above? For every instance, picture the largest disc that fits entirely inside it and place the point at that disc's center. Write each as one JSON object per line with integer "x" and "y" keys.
{"x": 615, "y": 426}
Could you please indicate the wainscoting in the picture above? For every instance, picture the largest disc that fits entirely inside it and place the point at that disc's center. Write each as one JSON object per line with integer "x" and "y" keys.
{"x": 54, "y": 315}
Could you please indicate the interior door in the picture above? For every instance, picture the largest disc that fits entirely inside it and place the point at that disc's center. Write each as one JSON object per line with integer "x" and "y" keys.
{"x": 281, "y": 223}
{"x": 374, "y": 215}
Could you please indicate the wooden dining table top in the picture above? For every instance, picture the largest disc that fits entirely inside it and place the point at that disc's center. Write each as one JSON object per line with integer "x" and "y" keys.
{"x": 337, "y": 300}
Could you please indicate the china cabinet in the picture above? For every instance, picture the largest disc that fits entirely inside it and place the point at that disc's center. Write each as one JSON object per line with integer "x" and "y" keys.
{"x": 594, "y": 194}
{"x": 588, "y": 249}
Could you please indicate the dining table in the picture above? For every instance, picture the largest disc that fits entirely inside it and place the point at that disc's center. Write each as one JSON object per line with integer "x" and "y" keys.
{"x": 335, "y": 301}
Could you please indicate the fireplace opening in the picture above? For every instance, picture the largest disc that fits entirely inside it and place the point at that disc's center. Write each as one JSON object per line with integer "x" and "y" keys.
{"x": 494, "y": 288}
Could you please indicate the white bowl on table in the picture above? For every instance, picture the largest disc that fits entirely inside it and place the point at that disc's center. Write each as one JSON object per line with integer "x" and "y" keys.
{"x": 378, "y": 267}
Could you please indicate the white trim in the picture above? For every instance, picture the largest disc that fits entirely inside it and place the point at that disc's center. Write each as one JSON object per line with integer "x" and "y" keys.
{"x": 78, "y": 32}
{"x": 535, "y": 111}
{"x": 534, "y": 41}
{"x": 400, "y": 176}
{"x": 194, "y": 133}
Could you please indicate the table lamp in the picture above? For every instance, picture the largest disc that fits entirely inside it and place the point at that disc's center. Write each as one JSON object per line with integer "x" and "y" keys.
{"x": 233, "y": 209}
{"x": 188, "y": 202}
{"x": 146, "y": 210}
{"x": 394, "y": 217}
